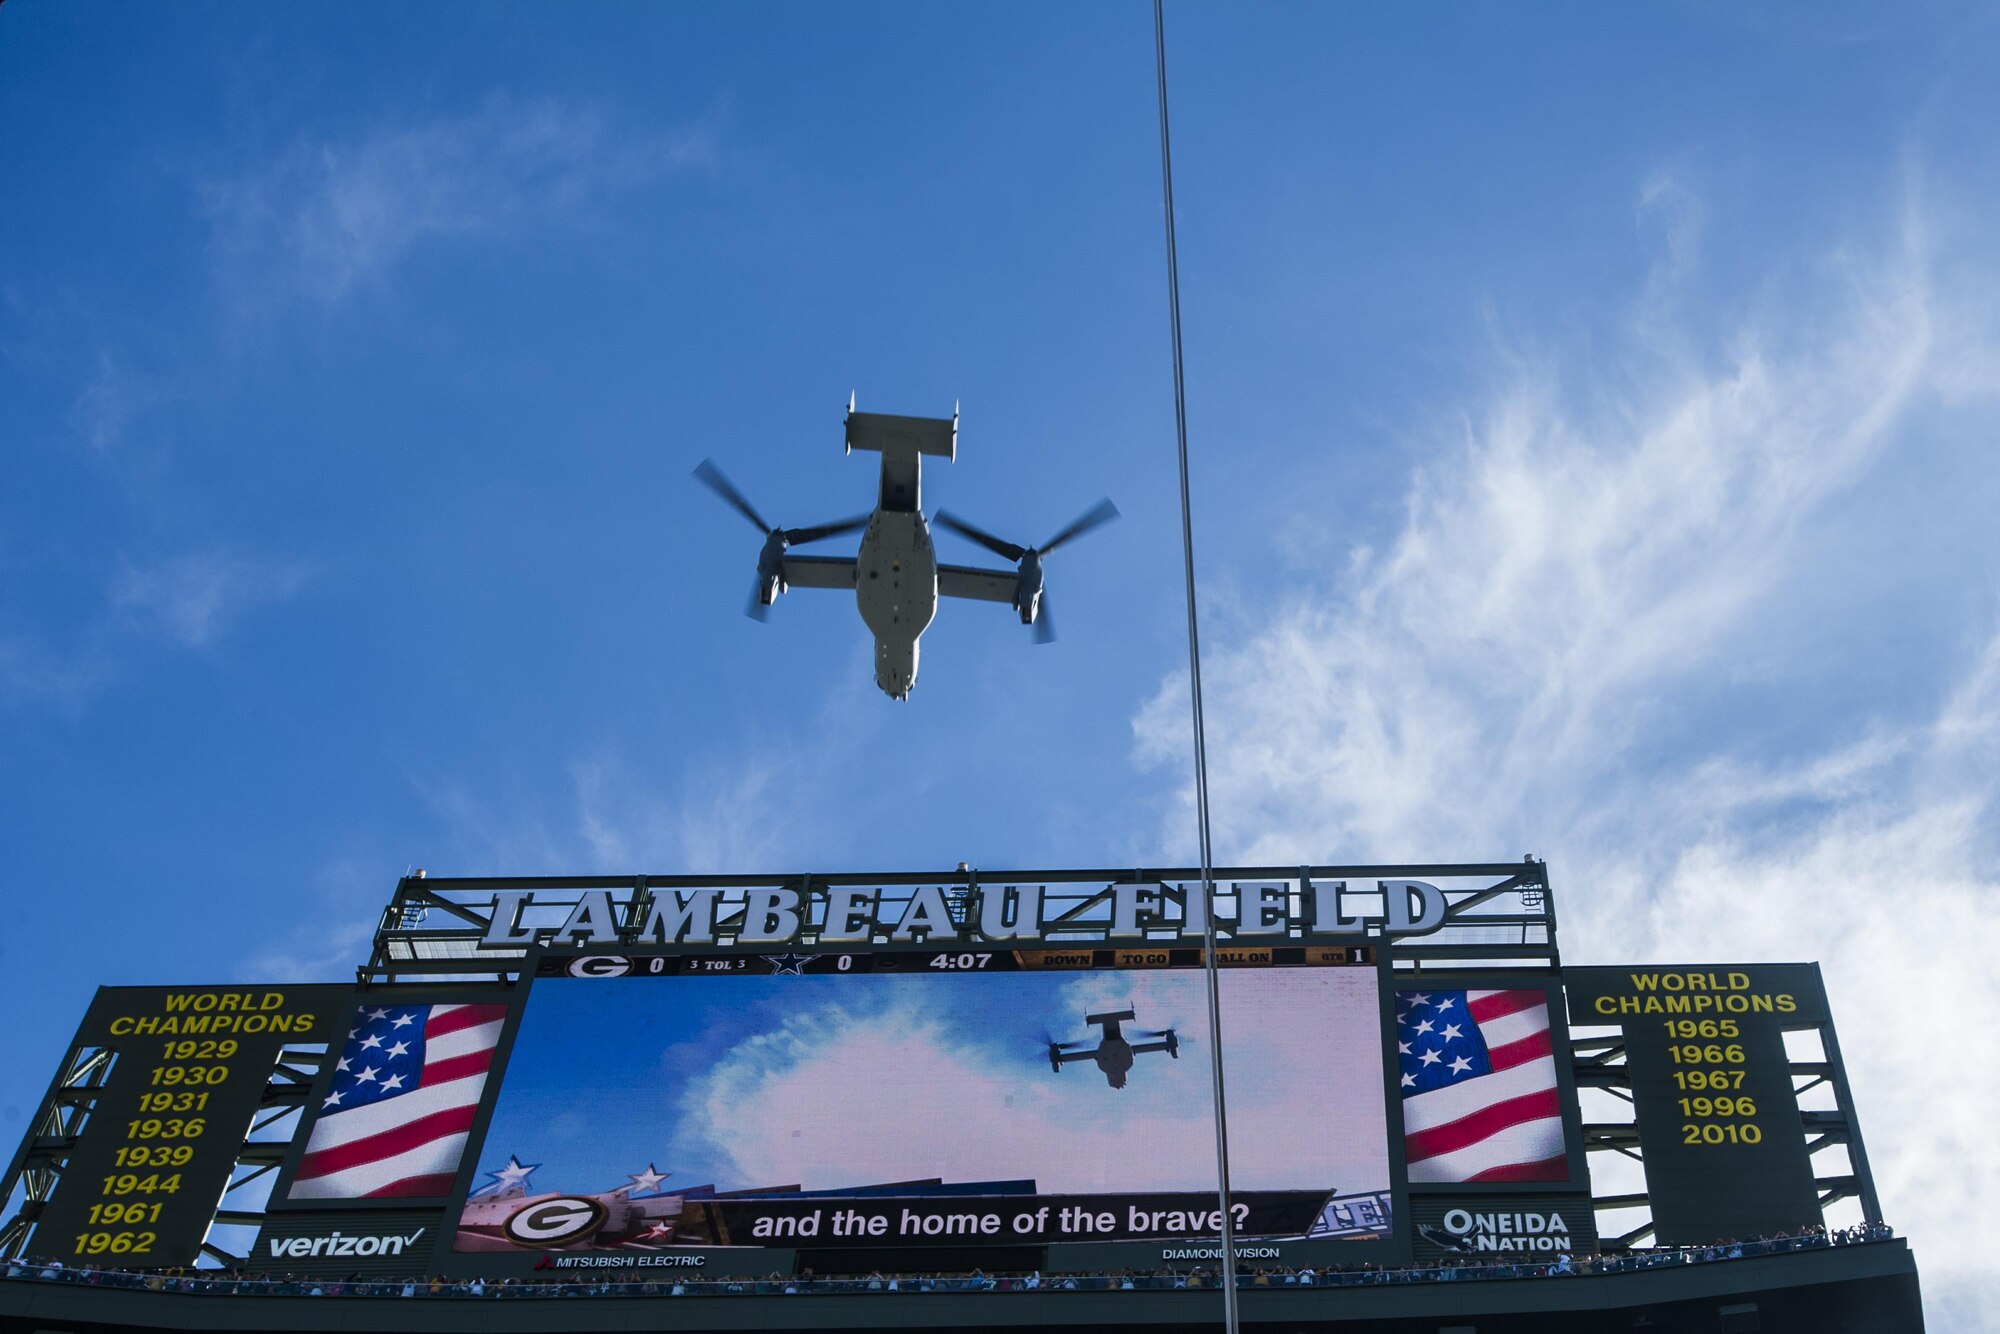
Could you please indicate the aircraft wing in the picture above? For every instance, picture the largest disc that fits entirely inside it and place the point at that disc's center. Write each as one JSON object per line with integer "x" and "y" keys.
{"x": 1141, "y": 1048}
{"x": 962, "y": 581}
{"x": 1065, "y": 1057}
{"x": 819, "y": 571}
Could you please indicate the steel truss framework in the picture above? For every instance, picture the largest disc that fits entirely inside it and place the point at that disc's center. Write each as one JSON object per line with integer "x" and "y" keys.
{"x": 1500, "y": 918}
{"x": 1499, "y": 914}
{"x": 39, "y": 1163}
{"x": 1599, "y": 1063}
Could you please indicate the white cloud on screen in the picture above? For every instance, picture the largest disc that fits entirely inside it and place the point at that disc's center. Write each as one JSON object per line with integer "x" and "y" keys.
{"x": 1541, "y": 660}
{"x": 837, "y": 1097}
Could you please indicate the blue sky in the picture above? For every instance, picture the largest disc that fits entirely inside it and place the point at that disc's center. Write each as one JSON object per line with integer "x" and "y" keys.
{"x": 1592, "y": 412}
{"x": 830, "y": 1081}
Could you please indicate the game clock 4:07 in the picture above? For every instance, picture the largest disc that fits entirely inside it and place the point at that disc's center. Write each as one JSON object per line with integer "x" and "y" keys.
{"x": 962, "y": 962}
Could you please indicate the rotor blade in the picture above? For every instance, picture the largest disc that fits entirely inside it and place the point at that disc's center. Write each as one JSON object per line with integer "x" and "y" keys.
{"x": 799, "y": 536}
{"x": 1101, "y": 513}
{"x": 1045, "y": 629}
{"x": 1003, "y": 549}
{"x": 711, "y": 476}
{"x": 756, "y": 611}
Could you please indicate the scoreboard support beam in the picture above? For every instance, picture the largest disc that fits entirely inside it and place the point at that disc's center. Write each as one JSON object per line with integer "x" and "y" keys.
{"x": 38, "y": 1163}
{"x": 1857, "y": 1153}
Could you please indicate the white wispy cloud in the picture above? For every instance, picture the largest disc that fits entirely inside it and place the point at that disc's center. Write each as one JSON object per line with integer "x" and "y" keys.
{"x": 31, "y": 671}
{"x": 187, "y": 601}
{"x": 723, "y": 818}
{"x": 1554, "y": 571}
{"x": 191, "y": 599}
{"x": 761, "y": 808}
{"x": 346, "y": 896}
{"x": 1557, "y": 652}
{"x": 619, "y": 814}
{"x": 113, "y": 398}
{"x": 329, "y": 211}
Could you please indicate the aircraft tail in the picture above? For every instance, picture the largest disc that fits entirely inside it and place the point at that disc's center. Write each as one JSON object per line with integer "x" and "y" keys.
{"x": 884, "y": 433}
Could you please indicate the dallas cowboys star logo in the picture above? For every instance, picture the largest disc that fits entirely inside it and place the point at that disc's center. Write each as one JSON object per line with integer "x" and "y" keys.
{"x": 513, "y": 1178}
{"x": 788, "y": 963}
{"x": 646, "y": 1182}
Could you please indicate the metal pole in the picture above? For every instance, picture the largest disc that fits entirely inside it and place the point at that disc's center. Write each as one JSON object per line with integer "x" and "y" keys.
{"x": 1229, "y": 1313}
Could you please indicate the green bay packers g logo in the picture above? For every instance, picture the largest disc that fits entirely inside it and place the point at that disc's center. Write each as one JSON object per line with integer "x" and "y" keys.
{"x": 555, "y": 1221}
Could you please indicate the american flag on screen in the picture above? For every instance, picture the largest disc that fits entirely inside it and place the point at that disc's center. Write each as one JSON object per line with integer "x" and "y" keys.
{"x": 405, "y": 1087}
{"x": 1479, "y": 1086}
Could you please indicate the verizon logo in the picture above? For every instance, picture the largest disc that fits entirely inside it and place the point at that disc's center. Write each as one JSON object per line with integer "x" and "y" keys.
{"x": 341, "y": 1244}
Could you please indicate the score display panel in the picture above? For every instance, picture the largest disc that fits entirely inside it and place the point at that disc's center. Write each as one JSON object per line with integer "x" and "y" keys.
{"x": 189, "y": 1068}
{"x": 965, "y": 1098}
{"x": 1719, "y": 1125}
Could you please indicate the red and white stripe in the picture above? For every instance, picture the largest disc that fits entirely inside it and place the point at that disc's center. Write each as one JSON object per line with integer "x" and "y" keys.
{"x": 408, "y": 1145}
{"x": 1503, "y": 1126}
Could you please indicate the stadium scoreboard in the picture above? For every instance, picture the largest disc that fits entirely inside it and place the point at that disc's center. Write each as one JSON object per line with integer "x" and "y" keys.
{"x": 1719, "y": 1123}
{"x": 1026, "y": 1087}
{"x": 186, "y": 1071}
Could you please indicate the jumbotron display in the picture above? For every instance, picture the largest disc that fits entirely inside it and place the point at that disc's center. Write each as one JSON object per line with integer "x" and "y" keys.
{"x": 846, "y": 1100}
{"x": 841, "y": 1075}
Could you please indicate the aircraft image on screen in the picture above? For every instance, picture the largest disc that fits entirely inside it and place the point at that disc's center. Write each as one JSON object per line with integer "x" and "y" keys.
{"x": 896, "y": 577}
{"x": 783, "y": 1106}
{"x": 1114, "y": 1052}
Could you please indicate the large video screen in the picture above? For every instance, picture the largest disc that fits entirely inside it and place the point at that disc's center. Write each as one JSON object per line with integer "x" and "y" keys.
{"x": 889, "y": 1100}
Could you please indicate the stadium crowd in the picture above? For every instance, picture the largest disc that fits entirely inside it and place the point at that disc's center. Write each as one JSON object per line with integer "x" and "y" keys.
{"x": 1455, "y": 1269}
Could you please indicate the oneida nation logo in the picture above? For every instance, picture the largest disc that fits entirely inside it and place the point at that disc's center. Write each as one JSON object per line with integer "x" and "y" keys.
{"x": 1518, "y": 1230}
{"x": 341, "y": 1244}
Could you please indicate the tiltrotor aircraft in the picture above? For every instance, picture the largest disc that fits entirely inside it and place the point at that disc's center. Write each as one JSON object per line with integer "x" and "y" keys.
{"x": 896, "y": 577}
{"x": 1114, "y": 1051}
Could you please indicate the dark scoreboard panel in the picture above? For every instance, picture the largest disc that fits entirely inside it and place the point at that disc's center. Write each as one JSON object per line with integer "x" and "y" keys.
{"x": 155, "y": 1154}
{"x": 922, "y": 961}
{"x": 1718, "y": 1120}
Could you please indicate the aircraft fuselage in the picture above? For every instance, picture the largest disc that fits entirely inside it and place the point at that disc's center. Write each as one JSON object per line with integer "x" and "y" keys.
{"x": 1114, "y": 1058}
{"x": 895, "y": 576}
{"x": 895, "y": 583}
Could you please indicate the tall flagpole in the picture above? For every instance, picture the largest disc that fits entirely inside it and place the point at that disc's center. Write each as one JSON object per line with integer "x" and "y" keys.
{"x": 1229, "y": 1314}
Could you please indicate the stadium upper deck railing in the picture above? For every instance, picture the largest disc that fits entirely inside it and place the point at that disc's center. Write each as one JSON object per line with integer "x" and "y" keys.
{"x": 1468, "y": 1269}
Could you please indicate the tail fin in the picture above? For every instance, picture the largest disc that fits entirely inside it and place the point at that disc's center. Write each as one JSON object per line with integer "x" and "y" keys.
{"x": 907, "y": 436}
